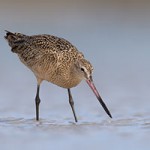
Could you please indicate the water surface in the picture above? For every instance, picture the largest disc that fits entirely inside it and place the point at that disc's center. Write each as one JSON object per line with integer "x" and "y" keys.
{"x": 114, "y": 36}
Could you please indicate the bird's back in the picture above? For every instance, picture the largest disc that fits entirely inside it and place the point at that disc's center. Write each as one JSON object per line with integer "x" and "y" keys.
{"x": 49, "y": 57}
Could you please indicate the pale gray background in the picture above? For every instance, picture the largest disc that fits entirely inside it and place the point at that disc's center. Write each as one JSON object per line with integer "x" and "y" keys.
{"x": 115, "y": 37}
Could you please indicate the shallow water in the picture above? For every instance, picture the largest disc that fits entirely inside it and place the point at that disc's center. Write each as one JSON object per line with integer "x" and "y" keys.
{"x": 120, "y": 133}
{"x": 114, "y": 36}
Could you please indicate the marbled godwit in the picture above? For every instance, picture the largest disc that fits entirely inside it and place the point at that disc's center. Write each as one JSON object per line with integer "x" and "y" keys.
{"x": 55, "y": 60}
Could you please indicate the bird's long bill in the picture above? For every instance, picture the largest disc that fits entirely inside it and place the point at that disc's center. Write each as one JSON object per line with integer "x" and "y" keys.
{"x": 92, "y": 86}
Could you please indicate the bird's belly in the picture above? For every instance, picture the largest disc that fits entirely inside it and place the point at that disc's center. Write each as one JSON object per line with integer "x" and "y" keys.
{"x": 54, "y": 74}
{"x": 51, "y": 75}
{"x": 65, "y": 83}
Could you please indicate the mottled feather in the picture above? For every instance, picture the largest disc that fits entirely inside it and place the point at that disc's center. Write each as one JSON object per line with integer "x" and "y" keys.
{"x": 49, "y": 57}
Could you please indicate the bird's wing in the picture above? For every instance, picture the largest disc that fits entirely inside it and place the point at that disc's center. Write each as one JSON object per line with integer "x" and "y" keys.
{"x": 50, "y": 42}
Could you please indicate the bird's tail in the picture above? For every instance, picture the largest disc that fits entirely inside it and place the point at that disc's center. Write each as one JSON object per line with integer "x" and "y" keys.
{"x": 14, "y": 40}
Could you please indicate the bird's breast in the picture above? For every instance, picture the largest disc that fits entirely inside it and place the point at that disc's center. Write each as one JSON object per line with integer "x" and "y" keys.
{"x": 69, "y": 83}
{"x": 63, "y": 78}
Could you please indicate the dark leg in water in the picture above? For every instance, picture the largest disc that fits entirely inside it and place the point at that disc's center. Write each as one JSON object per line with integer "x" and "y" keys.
{"x": 71, "y": 102}
{"x": 37, "y": 102}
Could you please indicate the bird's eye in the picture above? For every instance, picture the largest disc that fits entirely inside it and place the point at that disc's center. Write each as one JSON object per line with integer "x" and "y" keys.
{"x": 82, "y": 69}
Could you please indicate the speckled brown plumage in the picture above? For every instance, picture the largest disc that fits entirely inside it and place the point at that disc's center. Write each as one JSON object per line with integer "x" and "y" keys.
{"x": 49, "y": 57}
{"x": 53, "y": 59}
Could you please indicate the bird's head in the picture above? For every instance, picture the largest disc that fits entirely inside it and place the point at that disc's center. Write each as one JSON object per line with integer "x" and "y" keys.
{"x": 84, "y": 69}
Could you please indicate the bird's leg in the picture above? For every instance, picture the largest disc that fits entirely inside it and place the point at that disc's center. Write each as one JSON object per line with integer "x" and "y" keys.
{"x": 37, "y": 102}
{"x": 71, "y": 102}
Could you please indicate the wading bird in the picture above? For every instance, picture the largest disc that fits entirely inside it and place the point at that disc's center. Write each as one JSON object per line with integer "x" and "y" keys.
{"x": 55, "y": 60}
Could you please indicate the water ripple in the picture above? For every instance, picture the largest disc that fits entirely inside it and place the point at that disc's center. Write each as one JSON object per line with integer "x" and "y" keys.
{"x": 44, "y": 124}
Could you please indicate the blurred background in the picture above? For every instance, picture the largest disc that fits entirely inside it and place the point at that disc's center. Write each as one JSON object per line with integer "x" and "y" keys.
{"x": 113, "y": 35}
